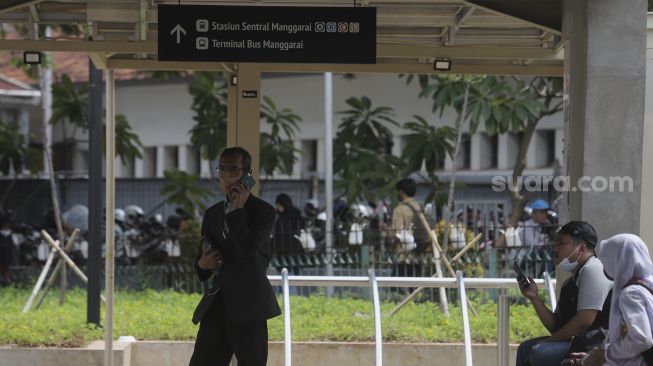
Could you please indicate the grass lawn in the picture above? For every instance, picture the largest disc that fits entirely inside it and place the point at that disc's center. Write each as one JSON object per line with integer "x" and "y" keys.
{"x": 166, "y": 315}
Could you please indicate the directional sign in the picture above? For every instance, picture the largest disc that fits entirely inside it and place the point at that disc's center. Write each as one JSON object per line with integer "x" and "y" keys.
{"x": 178, "y": 30}
{"x": 267, "y": 34}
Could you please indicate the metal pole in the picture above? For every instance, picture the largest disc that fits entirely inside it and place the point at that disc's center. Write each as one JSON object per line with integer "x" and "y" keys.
{"x": 328, "y": 165}
{"x": 503, "y": 318}
{"x": 109, "y": 204}
{"x": 378, "y": 334}
{"x": 552, "y": 290}
{"x": 463, "y": 304}
{"x": 286, "y": 319}
{"x": 94, "y": 265}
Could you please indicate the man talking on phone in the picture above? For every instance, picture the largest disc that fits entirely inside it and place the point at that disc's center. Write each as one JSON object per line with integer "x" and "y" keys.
{"x": 234, "y": 256}
{"x": 582, "y": 297}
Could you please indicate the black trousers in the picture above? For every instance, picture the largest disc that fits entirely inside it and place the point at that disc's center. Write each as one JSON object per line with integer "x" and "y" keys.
{"x": 218, "y": 339}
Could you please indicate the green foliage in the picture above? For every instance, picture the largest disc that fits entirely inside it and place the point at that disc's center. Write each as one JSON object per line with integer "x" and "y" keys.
{"x": 189, "y": 238}
{"x": 314, "y": 318}
{"x": 182, "y": 190}
{"x": 14, "y": 151}
{"x": 32, "y": 71}
{"x": 501, "y": 104}
{"x": 209, "y": 92}
{"x": 128, "y": 144}
{"x": 363, "y": 161}
{"x": 427, "y": 146}
{"x": 277, "y": 150}
{"x": 69, "y": 103}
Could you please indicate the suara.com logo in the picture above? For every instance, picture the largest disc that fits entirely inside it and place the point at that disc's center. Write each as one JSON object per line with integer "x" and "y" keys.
{"x": 320, "y": 26}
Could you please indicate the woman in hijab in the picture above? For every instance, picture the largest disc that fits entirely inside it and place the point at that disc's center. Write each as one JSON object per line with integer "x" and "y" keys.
{"x": 626, "y": 260}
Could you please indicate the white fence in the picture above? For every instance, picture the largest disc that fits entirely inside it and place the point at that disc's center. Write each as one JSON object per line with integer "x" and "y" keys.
{"x": 448, "y": 282}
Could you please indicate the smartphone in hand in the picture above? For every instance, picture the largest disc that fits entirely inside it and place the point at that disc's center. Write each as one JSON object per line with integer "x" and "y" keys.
{"x": 521, "y": 276}
{"x": 248, "y": 181}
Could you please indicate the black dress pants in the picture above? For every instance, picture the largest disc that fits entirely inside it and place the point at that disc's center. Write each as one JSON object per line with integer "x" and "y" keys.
{"x": 218, "y": 339}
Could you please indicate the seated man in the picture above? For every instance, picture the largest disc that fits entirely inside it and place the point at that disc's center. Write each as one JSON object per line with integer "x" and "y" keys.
{"x": 581, "y": 298}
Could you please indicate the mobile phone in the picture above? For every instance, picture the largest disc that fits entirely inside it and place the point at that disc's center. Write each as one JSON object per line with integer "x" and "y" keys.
{"x": 521, "y": 276}
{"x": 248, "y": 181}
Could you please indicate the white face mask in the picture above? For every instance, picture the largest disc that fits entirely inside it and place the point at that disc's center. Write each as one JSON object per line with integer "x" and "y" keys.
{"x": 5, "y": 232}
{"x": 567, "y": 265}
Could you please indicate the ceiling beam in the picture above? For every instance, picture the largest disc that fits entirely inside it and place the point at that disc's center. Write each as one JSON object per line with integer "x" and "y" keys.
{"x": 9, "y": 5}
{"x": 401, "y": 51}
{"x": 456, "y": 68}
{"x": 529, "y": 12}
{"x": 99, "y": 59}
{"x": 466, "y": 52}
{"x": 79, "y": 46}
{"x": 35, "y": 13}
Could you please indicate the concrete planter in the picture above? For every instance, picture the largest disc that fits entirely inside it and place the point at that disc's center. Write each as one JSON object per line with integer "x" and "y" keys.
{"x": 165, "y": 353}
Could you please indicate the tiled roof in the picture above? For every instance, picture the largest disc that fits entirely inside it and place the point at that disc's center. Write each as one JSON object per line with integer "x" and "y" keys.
{"x": 6, "y": 85}
{"x": 73, "y": 64}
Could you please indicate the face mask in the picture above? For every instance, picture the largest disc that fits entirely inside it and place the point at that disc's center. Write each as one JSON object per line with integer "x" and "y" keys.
{"x": 5, "y": 232}
{"x": 567, "y": 265}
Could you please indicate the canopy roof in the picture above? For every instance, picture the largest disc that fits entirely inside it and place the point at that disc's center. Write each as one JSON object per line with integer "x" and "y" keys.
{"x": 478, "y": 36}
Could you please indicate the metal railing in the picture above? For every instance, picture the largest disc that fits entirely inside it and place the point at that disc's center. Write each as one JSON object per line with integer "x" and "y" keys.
{"x": 374, "y": 282}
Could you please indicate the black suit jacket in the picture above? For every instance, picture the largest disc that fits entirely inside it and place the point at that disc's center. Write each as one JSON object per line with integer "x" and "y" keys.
{"x": 244, "y": 286}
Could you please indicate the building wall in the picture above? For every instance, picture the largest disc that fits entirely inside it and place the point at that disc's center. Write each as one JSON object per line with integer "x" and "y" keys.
{"x": 160, "y": 114}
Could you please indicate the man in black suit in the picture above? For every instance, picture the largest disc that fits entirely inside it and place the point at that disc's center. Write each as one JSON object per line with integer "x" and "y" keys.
{"x": 233, "y": 314}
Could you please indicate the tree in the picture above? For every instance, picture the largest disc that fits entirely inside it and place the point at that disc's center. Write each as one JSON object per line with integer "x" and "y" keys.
{"x": 503, "y": 105}
{"x": 182, "y": 190}
{"x": 128, "y": 144}
{"x": 278, "y": 153}
{"x": 427, "y": 146}
{"x": 70, "y": 105}
{"x": 69, "y": 108}
{"x": 363, "y": 161}
{"x": 15, "y": 154}
{"x": 209, "y": 134}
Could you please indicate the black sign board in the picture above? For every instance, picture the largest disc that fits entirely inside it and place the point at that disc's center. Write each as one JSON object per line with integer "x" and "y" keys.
{"x": 250, "y": 94}
{"x": 267, "y": 34}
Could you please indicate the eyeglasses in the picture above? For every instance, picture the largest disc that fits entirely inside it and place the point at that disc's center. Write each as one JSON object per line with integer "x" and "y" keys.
{"x": 229, "y": 169}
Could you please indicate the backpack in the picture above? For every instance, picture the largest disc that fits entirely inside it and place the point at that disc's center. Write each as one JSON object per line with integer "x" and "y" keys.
{"x": 420, "y": 233}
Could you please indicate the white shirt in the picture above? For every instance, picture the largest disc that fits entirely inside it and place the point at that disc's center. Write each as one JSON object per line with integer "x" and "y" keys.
{"x": 636, "y": 305}
{"x": 532, "y": 234}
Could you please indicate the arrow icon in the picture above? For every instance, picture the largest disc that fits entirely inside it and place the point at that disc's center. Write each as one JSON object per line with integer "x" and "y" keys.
{"x": 179, "y": 30}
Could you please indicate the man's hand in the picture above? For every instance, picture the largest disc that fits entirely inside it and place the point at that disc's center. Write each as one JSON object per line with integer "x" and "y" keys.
{"x": 531, "y": 291}
{"x": 211, "y": 259}
{"x": 596, "y": 358}
{"x": 238, "y": 194}
{"x": 574, "y": 359}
